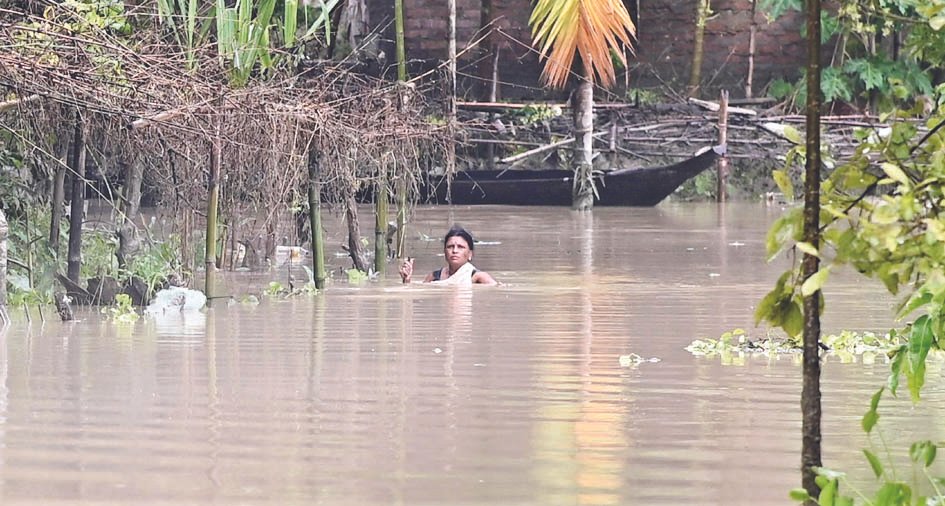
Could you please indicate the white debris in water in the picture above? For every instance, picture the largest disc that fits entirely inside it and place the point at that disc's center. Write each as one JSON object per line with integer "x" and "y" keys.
{"x": 714, "y": 274}
{"x": 736, "y": 244}
{"x": 634, "y": 359}
{"x": 176, "y": 299}
{"x": 437, "y": 350}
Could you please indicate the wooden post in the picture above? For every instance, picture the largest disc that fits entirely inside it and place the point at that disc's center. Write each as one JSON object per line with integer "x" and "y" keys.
{"x": 722, "y": 167}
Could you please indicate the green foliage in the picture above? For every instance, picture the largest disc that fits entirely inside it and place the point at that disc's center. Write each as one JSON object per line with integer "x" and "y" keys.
{"x": 881, "y": 214}
{"x": 642, "y": 96}
{"x": 153, "y": 264}
{"x": 356, "y": 276}
{"x": 106, "y": 15}
{"x": 253, "y": 38}
{"x": 861, "y": 69}
{"x": 536, "y": 113}
{"x": 122, "y": 311}
{"x": 28, "y": 245}
{"x": 15, "y": 191}
{"x": 891, "y": 491}
{"x": 735, "y": 346}
{"x": 72, "y": 18}
{"x": 274, "y": 289}
{"x": 98, "y": 254}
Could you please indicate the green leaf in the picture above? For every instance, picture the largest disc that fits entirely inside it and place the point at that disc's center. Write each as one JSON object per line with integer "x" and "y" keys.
{"x": 923, "y": 452}
{"x": 814, "y": 282}
{"x": 875, "y": 464}
{"x": 808, "y": 248}
{"x": 896, "y": 173}
{"x": 290, "y": 22}
{"x": 783, "y": 180}
{"x": 799, "y": 494}
{"x": 794, "y": 320}
{"x": 920, "y": 342}
{"x": 828, "y": 493}
{"x": 895, "y": 369}
{"x": 872, "y": 416}
{"x": 793, "y": 135}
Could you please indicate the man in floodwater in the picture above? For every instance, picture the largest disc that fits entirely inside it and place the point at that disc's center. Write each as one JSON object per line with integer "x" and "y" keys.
{"x": 458, "y": 249}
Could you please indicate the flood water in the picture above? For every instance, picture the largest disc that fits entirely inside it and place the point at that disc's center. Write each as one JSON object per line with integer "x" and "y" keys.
{"x": 384, "y": 394}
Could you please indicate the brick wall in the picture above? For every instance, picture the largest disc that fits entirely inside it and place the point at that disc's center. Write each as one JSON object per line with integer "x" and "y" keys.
{"x": 663, "y": 49}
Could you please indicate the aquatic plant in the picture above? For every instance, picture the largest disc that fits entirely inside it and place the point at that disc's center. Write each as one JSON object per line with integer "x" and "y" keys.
{"x": 122, "y": 311}
{"x": 848, "y": 346}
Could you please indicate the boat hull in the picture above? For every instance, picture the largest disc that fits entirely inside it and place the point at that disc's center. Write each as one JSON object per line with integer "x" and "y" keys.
{"x": 625, "y": 187}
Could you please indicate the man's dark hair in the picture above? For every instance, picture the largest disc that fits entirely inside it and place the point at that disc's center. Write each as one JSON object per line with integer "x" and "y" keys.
{"x": 460, "y": 231}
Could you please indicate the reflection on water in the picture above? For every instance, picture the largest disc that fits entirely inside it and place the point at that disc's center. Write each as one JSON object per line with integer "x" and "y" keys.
{"x": 392, "y": 394}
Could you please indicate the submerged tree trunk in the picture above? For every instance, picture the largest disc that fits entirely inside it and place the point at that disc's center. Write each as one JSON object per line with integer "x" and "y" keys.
{"x": 401, "y": 189}
{"x": 77, "y": 209}
{"x": 4, "y": 234}
{"x": 695, "y": 71}
{"x": 810, "y": 393}
{"x": 354, "y": 233}
{"x": 315, "y": 218}
{"x": 582, "y": 197}
{"x": 128, "y": 242}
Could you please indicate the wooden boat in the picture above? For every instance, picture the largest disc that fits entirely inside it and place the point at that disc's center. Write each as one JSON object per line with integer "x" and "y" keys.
{"x": 646, "y": 186}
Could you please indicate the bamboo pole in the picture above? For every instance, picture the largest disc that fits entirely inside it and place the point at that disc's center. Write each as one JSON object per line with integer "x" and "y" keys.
{"x": 752, "y": 31}
{"x": 402, "y": 177}
{"x": 213, "y": 195}
{"x": 698, "y": 51}
{"x": 315, "y": 220}
{"x": 722, "y": 167}
{"x": 399, "y": 36}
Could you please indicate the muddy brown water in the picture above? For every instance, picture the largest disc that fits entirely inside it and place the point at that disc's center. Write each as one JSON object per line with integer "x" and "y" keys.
{"x": 389, "y": 394}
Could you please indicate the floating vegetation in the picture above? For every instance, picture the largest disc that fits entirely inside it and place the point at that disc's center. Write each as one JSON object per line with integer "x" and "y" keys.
{"x": 122, "y": 311}
{"x": 848, "y": 346}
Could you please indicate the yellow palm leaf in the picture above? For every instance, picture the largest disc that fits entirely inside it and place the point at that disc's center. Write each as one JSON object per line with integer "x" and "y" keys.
{"x": 591, "y": 28}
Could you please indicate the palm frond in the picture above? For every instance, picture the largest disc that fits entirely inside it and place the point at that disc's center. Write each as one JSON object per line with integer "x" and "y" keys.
{"x": 591, "y": 28}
